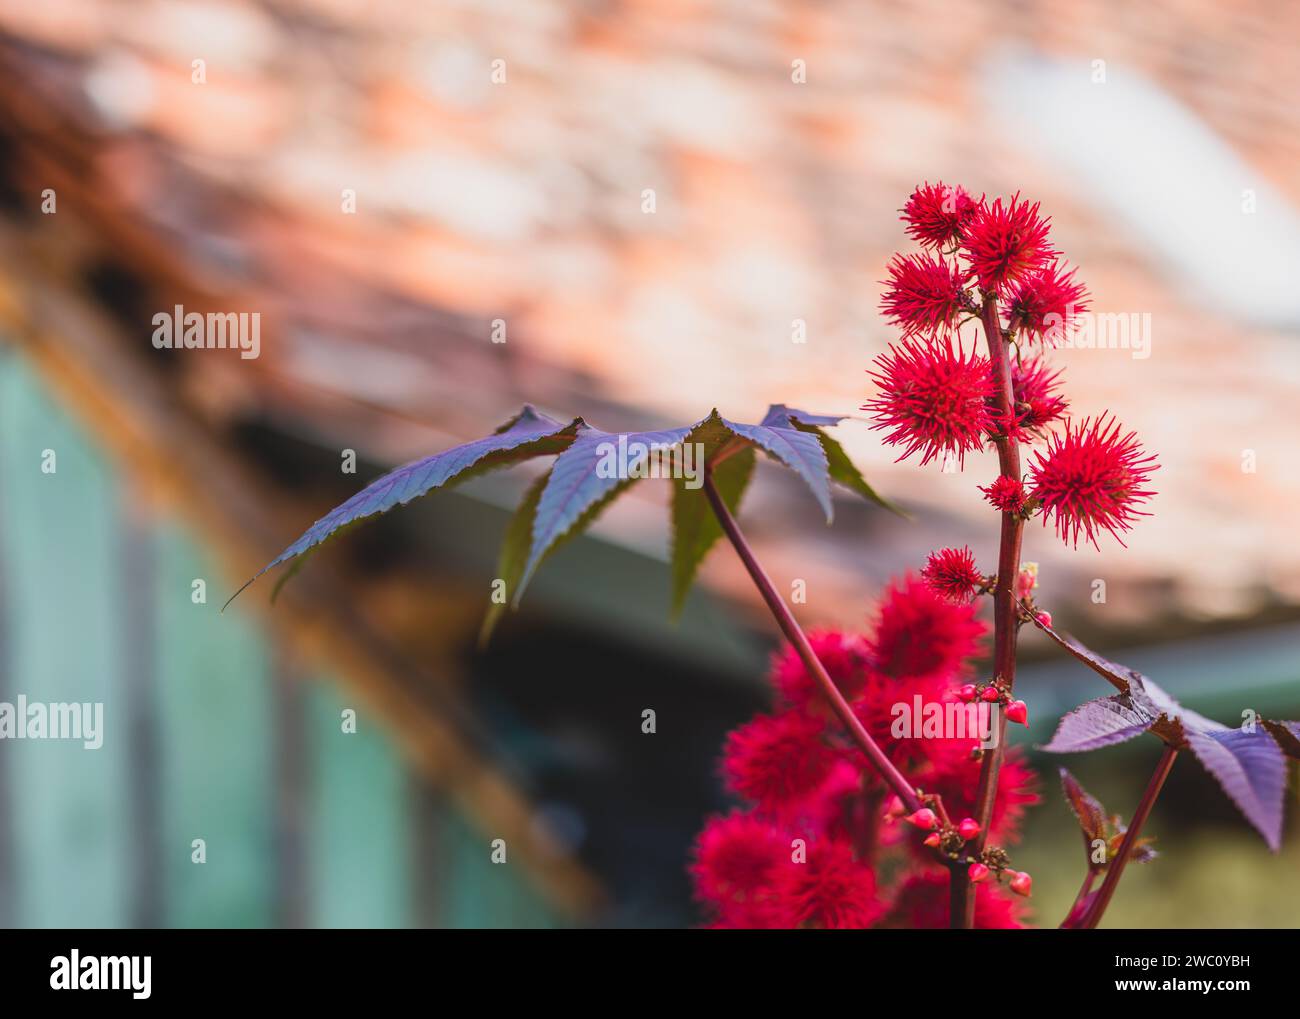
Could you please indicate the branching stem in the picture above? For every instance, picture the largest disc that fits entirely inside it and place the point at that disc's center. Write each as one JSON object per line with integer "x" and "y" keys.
{"x": 1006, "y": 619}
{"x": 1076, "y": 912}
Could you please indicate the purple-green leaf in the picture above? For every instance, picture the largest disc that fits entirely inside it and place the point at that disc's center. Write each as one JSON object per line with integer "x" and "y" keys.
{"x": 595, "y": 468}
{"x": 1168, "y": 719}
{"x": 695, "y": 528}
{"x": 1156, "y": 702}
{"x": 1248, "y": 763}
{"x": 1252, "y": 771}
{"x": 1086, "y": 807}
{"x": 801, "y": 451}
{"x": 528, "y": 434}
{"x": 780, "y": 416}
{"x": 1099, "y": 723}
{"x": 599, "y": 465}
{"x": 1287, "y": 735}
{"x": 840, "y": 467}
{"x": 1096, "y": 826}
{"x": 512, "y": 556}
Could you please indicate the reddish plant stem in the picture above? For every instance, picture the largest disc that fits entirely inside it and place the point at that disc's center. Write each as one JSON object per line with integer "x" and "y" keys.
{"x": 1076, "y": 910}
{"x": 795, "y": 635}
{"x": 1116, "y": 869}
{"x": 958, "y": 885}
{"x": 1006, "y": 619}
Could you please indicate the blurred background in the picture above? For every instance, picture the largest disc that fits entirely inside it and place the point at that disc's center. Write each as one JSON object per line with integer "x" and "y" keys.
{"x": 632, "y": 211}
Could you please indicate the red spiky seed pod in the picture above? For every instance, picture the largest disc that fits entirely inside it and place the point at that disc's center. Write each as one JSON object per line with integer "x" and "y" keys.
{"x": 845, "y": 658}
{"x": 1038, "y": 404}
{"x": 736, "y": 858}
{"x": 1006, "y": 494}
{"x": 934, "y": 399}
{"x": 778, "y": 760}
{"x": 937, "y": 214}
{"x": 1005, "y": 244}
{"x": 1018, "y": 711}
{"x": 923, "y": 294}
{"x": 1091, "y": 479}
{"x": 920, "y": 638}
{"x": 1044, "y": 305}
{"x": 833, "y": 890}
{"x": 951, "y": 574}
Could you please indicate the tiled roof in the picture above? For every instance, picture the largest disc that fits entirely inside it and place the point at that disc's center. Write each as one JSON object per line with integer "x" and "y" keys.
{"x": 523, "y": 200}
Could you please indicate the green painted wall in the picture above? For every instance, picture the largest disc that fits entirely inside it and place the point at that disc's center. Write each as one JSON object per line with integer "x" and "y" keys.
{"x": 216, "y": 723}
{"x": 69, "y": 805}
{"x": 358, "y": 813}
{"x": 216, "y": 741}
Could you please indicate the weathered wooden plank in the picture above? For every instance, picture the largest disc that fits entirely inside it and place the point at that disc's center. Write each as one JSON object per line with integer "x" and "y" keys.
{"x": 292, "y": 782}
{"x": 217, "y": 723}
{"x": 360, "y": 849}
{"x": 8, "y": 584}
{"x": 138, "y": 626}
{"x": 70, "y": 806}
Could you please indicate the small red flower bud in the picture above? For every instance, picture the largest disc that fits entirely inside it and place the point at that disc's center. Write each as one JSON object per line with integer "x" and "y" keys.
{"x": 967, "y": 692}
{"x": 923, "y": 818}
{"x": 968, "y": 828}
{"x": 977, "y": 872}
{"x": 1017, "y": 711}
{"x": 1022, "y": 884}
{"x": 1028, "y": 579}
{"x": 1045, "y": 618}
{"x": 933, "y": 840}
{"x": 991, "y": 694}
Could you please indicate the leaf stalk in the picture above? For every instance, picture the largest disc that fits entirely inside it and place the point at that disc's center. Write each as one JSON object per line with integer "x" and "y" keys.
{"x": 1116, "y": 868}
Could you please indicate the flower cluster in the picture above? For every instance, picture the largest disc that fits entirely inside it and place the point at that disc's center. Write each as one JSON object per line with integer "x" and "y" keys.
{"x": 821, "y": 828}
{"x": 994, "y": 261}
{"x": 825, "y": 839}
